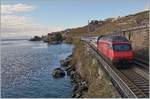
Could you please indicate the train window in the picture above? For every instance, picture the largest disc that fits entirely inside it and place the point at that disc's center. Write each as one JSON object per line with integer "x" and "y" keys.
{"x": 121, "y": 47}
{"x": 119, "y": 39}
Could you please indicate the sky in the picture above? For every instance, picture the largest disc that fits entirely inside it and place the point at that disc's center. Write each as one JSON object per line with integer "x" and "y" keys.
{"x": 26, "y": 18}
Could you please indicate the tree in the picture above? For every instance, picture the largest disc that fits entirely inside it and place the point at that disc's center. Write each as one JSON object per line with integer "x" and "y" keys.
{"x": 36, "y": 38}
{"x": 55, "y": 37}
{"x": 58, "y": 37}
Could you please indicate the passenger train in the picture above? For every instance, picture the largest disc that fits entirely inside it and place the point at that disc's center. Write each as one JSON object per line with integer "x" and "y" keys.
{"x": 114, "y": 47}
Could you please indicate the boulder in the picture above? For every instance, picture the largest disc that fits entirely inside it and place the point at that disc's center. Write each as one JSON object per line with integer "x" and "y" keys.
{"x": 69, "y": 69}
{"x": 84, "y": 85}
{"x": 65, "y": 62}
{"x": 58, "y": 72}
{"x": 77, "y": 94}
{"x": 75, "y": 87}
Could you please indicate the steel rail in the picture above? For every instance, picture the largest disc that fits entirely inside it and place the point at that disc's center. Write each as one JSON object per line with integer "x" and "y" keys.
{"x": 128, "y": 88}
{"x": 141, "y": 63}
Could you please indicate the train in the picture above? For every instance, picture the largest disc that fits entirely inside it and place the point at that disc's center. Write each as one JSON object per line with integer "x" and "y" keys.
{"x": 115, "y": 48}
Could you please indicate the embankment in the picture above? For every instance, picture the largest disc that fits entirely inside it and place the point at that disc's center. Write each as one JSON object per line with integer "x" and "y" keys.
{"x": 88, "y": 80}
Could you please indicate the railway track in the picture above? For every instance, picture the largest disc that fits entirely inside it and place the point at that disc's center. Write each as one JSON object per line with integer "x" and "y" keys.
{"x": 140, "y": 82}
{"x": 129, "y": 82}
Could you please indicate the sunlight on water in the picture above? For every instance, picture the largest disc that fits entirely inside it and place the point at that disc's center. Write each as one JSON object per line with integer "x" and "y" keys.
{"x": 27, "y": 66}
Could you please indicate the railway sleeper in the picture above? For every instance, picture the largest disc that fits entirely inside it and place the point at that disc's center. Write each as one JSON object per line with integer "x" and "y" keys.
{"x": 139, "y": 78}
{"x": 145, "y": 87}
{"x": 140, "y": 95}
{"x": 147, "y": 93}
{"x": 138, "y": 92}
{"x": 141, "y": 83}
{"x": 135, "y": 89}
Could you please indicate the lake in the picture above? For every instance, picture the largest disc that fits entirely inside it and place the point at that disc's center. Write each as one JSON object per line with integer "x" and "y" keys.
{"x": 26, "y": 69}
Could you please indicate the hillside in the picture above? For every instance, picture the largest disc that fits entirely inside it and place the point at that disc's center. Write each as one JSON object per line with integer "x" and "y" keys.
{"x": 87, "y": 66}
{"x": 96, "y": 27}
{"x": 139, "y": 38}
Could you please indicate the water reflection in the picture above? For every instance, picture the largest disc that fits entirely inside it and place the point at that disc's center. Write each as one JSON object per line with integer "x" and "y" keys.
{"x": 26, "y": 70}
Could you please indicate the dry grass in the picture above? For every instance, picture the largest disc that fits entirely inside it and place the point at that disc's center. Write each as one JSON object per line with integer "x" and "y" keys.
{"x": 88, "y": 70}
{"x": 83, "y": 61}
{"x": 81, "y": 31}
{"x": 111, "y": 26}
{"x": 99, "y": 89}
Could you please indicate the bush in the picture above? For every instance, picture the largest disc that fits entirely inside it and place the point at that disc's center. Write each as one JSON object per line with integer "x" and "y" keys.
{"x": 55, "y": 38}
{"x": 36, "y": 38}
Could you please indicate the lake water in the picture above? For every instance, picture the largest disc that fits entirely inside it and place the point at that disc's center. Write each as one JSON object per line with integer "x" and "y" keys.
{"x": 26, "y": 70}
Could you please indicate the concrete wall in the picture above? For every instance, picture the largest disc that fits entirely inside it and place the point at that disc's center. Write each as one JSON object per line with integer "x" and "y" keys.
{"x": 138, "y": 38}
{"x": 140, "y": 42}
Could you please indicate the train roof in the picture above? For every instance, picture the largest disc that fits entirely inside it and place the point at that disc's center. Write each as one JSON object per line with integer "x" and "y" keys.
{"x": 113, "y": 38}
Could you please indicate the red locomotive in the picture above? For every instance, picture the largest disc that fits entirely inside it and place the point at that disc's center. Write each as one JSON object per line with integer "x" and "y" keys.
{"x": 115, "y": 48}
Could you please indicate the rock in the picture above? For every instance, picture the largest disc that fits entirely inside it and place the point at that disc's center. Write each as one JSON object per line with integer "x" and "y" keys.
{"x": 77, "y": 77}
{"x": 65, "y": 62}
{"x": 68, "y": 68}
{"x": 79, "y": 85}
{"x": 72, "y": 74}
{"x": 75, "y": 87}
{"x": 73, "y": 81}
{"x": 84, "y": 85}
{"x": 77, "y": 94}
{"x": 56, "y": 42}
{"x": 58, "y": 72}
{"x": 70, "y": 56}
{"x": 68, "y": 72}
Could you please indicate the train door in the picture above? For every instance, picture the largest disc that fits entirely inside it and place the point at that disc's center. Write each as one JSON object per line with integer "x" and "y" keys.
{"x": 101, "y": 47}
{"x": 110, "y": 51}
{"x": 107, "y": 49}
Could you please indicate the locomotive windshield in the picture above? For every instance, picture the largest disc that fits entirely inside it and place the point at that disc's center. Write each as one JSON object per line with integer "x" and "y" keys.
{"x": 121, "y": 47}
{"x": 119, "y": 39}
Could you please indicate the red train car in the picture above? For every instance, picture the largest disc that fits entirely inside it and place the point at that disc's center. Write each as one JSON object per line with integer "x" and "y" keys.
{"x": 115, "y": 48}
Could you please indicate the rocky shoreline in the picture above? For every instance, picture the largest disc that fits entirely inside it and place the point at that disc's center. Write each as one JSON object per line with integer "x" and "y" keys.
{"x": 80, "y": 86}
{"x": 83, "y": 70}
